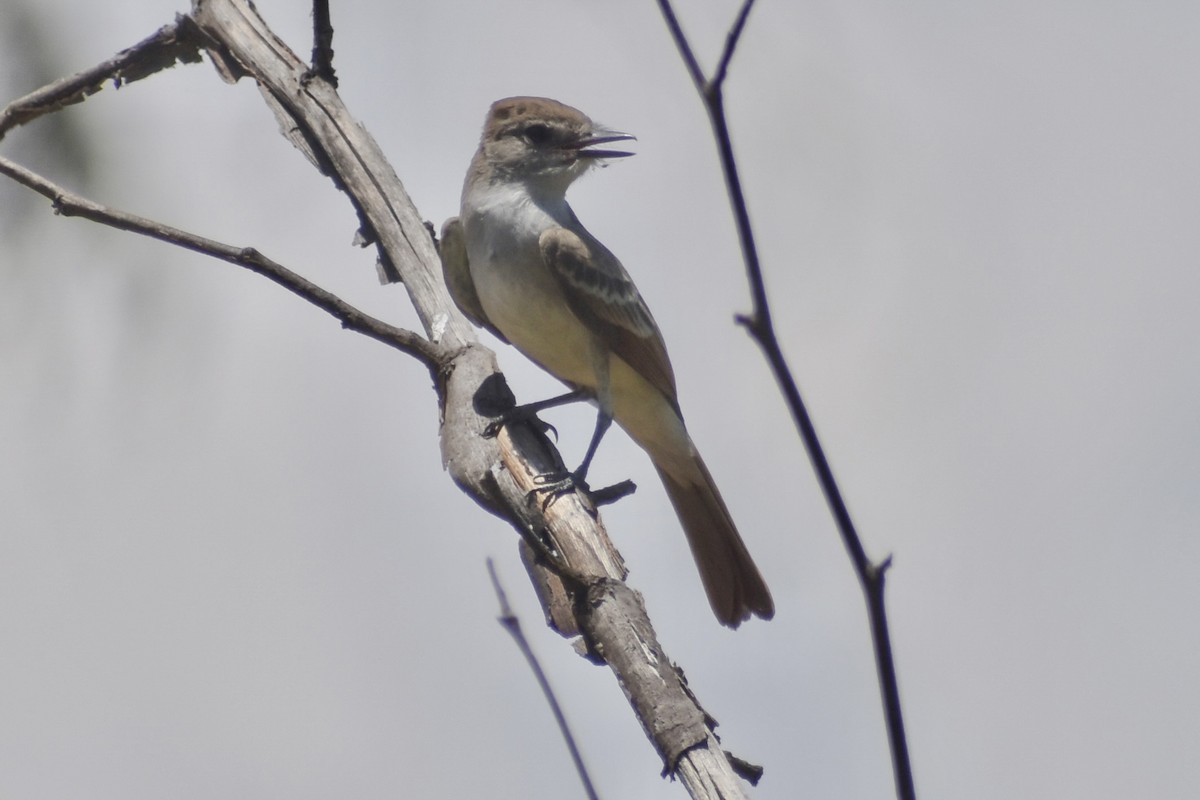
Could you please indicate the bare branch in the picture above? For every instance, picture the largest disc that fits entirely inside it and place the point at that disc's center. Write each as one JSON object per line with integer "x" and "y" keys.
{"x": 322, "y": 54}
{"x": 69, "y": 204}
{"x": 762, "y": 330}
{"x": 512, "y": 623}
{"x": 171, "y": 43}
{"x": 731, "y": 43}
{"x": 500, "y": 472}
{"x": 685, "y": 49}
{"x": 611, "y": 494}
{"x": 604, "y": 608}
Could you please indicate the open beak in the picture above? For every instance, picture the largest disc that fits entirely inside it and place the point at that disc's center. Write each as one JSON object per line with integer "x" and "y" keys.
{"x": 587, "y": 146}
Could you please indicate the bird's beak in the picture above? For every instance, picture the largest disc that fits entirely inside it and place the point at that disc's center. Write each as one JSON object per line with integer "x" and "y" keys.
{"x": 586, "y": 146}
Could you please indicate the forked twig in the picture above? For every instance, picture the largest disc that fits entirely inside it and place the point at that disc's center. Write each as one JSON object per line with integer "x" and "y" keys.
{"x": 870, "y": 574}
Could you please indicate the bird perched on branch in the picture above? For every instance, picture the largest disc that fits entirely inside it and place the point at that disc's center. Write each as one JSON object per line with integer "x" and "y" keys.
{"x": 518, "y": 262}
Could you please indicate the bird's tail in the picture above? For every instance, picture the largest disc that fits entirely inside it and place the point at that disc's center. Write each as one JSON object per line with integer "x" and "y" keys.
{"x": 734, "y": 586}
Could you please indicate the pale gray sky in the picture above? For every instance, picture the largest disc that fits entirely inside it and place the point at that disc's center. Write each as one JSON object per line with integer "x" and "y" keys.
{"x": 230, "y": 563}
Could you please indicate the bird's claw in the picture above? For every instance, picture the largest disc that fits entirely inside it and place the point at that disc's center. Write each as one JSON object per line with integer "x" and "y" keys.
{"x": 519, "y": 414}
{"x": 556, "y": 485}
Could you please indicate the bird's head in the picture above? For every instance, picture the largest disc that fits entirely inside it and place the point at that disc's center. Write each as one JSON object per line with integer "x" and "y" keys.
{"x": 541, "y": 141}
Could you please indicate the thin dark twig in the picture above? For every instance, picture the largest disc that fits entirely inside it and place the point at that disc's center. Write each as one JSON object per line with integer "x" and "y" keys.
{"x": 322, "y": 55}
{"x": 70, "y": 204}
{"x": 731, "y": 43}
{"x": 759, "y": 324}
{"x": 685, "y": 49}
{"x": 512, "y": 624}
{"x": 763, "y": 326}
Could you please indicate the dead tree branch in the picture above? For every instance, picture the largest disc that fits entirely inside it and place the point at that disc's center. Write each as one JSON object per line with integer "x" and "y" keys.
{"x": 761, "y": 328}
{"x": 69, "y": 204}
{"x": 322, "y": 54}
{"x": 578, "y": 573}
{"x": 169, "y": 44}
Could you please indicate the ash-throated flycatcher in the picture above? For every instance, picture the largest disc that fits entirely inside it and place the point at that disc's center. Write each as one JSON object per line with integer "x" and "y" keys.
{"x": 520, "y": 264}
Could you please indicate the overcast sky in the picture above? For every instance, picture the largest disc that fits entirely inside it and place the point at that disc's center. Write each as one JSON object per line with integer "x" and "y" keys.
{"x": 230, "y": 562}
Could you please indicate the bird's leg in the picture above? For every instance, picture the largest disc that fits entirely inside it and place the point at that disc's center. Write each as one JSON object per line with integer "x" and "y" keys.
{"x": 561, "y": 484}
{"x": 601, "y": 358}
{"x": 603, "y": 422}
{"x": 529, "y": 411}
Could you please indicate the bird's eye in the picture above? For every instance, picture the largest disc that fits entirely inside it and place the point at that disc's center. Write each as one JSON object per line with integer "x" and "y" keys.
{"x": 537, "y": 133}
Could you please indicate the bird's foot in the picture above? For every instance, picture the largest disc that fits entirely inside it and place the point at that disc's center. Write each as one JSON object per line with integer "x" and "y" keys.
{"x": 557, "y": 484}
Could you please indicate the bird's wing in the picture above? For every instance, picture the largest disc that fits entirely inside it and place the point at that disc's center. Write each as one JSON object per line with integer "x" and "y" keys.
{"x": 603, "y": 296}
{"x": 456, "y": 270}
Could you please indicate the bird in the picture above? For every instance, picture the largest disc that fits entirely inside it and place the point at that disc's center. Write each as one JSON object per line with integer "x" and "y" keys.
{"x": 519, "y": 263}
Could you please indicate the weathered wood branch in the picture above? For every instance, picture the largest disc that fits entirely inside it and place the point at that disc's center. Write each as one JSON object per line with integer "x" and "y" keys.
{"x": 579, "y": 574}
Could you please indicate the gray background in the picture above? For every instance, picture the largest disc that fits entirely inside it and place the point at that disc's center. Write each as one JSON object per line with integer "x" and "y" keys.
{"x": 231, "y": 566}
